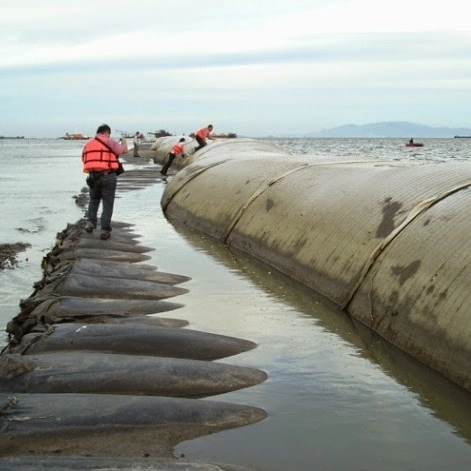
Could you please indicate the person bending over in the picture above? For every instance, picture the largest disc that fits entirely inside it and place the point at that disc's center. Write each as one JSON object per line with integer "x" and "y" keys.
{"x": 177, "y": 149}
{"x": 202, "y": 135}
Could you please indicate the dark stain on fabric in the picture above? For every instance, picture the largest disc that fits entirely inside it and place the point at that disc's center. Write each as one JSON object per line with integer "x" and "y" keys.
{"x": 404, "y": 273}
{"x": 390, "y": 210}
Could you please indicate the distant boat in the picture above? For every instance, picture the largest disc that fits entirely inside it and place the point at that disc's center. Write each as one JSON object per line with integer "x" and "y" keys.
{"x": 462, "y": 137}
{"x": 160, "y": 133}
{"x": 414, "y": 144}
{"x": 75, "y": 136}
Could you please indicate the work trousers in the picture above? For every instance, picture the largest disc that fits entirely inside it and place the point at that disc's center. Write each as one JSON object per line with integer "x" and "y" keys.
{"x": 201, "y": 143}
{"x": 170, "y": 159}
{"x": 103, "y": 190}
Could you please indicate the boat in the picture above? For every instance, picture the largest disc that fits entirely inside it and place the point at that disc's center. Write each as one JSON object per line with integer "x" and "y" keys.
{"x": 160, "y": 133}
{"x": 75, "y": 136}
{"x": 414, "y": 144}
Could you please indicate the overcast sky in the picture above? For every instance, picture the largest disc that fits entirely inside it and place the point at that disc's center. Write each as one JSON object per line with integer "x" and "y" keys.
{"x": 254, "y": 67}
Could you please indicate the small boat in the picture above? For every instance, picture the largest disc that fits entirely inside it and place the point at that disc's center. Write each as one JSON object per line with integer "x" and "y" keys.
{"x": 75, "y": 136}
{"x": 414, "y": 144}
{"x": 160, "y": 133}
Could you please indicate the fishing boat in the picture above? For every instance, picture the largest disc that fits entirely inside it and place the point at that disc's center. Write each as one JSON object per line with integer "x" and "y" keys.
{"x": 75, "y": 136}
{"x": 160, "y": 133}
{"x": 414, "y": 144}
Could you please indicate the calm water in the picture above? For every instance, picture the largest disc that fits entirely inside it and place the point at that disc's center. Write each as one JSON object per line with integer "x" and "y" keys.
{"x": 338, "y": 398}
{"x": 434, "y": 150}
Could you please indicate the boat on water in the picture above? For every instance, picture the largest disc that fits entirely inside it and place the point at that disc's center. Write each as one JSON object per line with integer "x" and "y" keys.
{"x": 414, "y": 144}
{"x": 160, "y": 133}
{"x": 75, "y": 136}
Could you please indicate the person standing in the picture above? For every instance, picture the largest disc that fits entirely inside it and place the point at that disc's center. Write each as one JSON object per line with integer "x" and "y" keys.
{"x": 100, "y": 158}
{"x": 177, "y": 149}
{"x": 202, "y": 135}
{"x": 136, "y": 142}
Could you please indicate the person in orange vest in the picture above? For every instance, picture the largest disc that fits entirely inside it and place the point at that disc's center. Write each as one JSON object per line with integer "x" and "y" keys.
{"x": 202, "y": 135}
{"x": 100, "y": 158}
{"x": 177, "y": 149}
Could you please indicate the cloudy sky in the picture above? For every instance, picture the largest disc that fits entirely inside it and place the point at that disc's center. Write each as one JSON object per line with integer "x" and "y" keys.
{"x": 254, "y": 67}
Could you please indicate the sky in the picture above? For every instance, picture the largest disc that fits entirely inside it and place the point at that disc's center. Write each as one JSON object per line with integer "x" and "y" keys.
{"x": 253, "y": 67}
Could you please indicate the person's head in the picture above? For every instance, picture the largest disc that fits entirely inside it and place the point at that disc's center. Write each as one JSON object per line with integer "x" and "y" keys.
{"x": 210, "y": 127}
{"x": 103, "y": 129}
{"x": 137, "y": 133}
{"x": 182, "y": 139}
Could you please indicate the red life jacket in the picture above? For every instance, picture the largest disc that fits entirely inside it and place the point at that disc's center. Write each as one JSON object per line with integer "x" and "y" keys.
{"x": 203, "y": 133}
{"x": 177, "y": 149}
{"x": 96, "y": 157}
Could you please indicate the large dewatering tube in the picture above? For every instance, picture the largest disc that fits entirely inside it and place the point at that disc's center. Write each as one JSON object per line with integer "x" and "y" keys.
{"x": 386, "y": 241}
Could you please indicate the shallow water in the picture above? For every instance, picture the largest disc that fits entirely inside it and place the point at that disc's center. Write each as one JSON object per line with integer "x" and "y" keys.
{"x": 338, "y": 397}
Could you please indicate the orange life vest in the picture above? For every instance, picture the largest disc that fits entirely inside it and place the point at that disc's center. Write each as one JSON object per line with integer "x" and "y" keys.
{"x": 96, "y": 157}
{"x": 177, "y": 149}
{"x": 203, "y": 133}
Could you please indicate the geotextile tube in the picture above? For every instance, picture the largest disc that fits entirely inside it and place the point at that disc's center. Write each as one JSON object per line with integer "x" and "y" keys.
{"x": 386, "y": 241}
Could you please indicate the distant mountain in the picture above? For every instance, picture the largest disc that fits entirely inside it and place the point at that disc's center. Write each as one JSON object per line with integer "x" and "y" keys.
{"x": 390, "y": 129}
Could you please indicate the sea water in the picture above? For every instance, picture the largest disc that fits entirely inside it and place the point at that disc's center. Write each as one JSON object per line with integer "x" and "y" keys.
{"x": 337, "y": 396}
